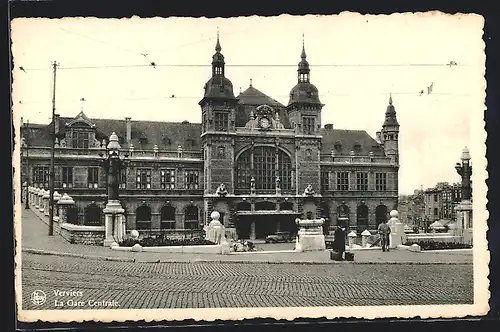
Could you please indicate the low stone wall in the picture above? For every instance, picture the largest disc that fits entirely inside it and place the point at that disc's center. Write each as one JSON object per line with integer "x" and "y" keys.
{"x": 207, "y": 249}
{"x": 90, "y": 235}
{"x": 435, "y": 237}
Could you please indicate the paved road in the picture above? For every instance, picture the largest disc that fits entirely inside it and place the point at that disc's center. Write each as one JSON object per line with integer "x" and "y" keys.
{"x": 208, "y": 285}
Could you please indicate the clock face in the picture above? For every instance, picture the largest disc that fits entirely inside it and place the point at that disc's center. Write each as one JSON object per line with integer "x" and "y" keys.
{"x": 264, "y": 123}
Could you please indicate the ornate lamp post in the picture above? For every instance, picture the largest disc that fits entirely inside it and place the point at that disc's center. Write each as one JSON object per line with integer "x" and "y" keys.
{"x": 113, "y": 164}
{"x": 464, "y": 209}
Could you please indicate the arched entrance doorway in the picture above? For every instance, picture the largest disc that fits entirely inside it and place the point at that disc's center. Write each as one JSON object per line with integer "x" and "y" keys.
{"x": 362, "y": 218}
{"x": 167, "y": 217}
{"x": 381, "y": 214}
{"x": 191, "y": 216}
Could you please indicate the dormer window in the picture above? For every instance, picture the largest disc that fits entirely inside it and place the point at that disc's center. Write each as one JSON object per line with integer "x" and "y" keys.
{"x": 143, "y": 139}
{"x": 338, "y": 146}
{"x": 357, "y": 147}
{"x": 165, "y": 140}
{"x": 80, "y": 139}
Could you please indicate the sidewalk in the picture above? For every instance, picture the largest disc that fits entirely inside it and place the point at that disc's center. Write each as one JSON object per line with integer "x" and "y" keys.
{"x": 35, "y": 240}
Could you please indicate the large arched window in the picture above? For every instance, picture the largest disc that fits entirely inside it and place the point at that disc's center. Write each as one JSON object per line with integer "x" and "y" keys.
{"x": 191, "y": 216}
{"x": 265, "y": 164}
{"x": 167, "y": 217}
{"x": 381, "y": 214}
{"x": 362, "y": 217}
{"x": 143, "y": 217}
{"x": 93, "y": 215}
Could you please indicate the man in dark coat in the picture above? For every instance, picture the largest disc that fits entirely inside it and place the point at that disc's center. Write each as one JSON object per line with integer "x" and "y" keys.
{"x": 339, "y": 244}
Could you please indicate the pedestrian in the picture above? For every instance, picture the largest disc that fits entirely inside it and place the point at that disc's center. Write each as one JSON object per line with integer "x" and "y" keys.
{"x": 384, "y": 230}
{"x": 339, "y": 242}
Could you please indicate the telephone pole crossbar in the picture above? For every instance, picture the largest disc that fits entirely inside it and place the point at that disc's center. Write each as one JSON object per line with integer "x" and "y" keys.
{"x": 52, "y": 154}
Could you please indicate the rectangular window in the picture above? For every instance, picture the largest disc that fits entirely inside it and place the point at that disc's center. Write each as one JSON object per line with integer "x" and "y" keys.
{"x": 41, "y": 176}
{"x": 143, "y": 178}
{"x": 380, "y": 181}
{"x": 308, "y": 124}
{"x": 325, "y": 178}
{"x": 93, "y": 177}
{"x": 362, "y": 181}
{"x": 80, "y": 139}
{"x": 192, "y": 178}
{"x": 343, "y": 181}
{"x": 123, "y": 179}
{"x": 221, "y": 121}
{"x": 67, "y": 177}
{"x": 435, "y": 197}
{"x": 167, "y": 178}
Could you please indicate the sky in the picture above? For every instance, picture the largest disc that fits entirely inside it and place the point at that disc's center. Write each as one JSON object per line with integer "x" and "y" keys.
{"x": 356, "y": 62}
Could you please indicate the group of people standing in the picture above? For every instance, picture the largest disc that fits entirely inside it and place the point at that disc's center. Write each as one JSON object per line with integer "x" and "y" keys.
{"x": 384, "y": 230}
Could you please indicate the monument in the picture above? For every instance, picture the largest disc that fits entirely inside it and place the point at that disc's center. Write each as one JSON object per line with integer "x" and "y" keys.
{"x": 310, "y": 236}
{"x": 397, "y": 236}
{"x": 216, "y": 233}
{"x": 464, "y": 209}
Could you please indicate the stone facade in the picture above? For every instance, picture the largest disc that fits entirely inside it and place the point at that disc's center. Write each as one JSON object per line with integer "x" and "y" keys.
{"x": 274, "y": 162}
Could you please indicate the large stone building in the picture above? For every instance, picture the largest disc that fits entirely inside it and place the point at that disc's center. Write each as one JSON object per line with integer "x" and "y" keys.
{"x": 440, "y": 202}
{"x": 261, "y": 164}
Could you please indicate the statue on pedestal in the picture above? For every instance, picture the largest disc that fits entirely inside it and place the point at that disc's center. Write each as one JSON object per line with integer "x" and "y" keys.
{"x": 309, "y": 191}
{"x": 221, "y": 190}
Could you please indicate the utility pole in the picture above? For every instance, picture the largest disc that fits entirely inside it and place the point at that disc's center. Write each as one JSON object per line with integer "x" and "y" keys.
{"x": 27, "y": 165}
{"x": 52, "y": 154}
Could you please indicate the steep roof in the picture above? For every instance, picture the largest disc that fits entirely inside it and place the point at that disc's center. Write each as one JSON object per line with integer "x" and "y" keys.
{"x": 252, "y": 96}
{"x": 348, "y": 139}
{"x": 178, "y": 133}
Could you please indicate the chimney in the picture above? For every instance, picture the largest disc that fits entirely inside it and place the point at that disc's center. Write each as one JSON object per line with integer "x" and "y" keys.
{"x": 128, "y": 124}
{"x": 56, "y": 120}
{"x": 22, "y": 121}
{"x": 329, "y": 126}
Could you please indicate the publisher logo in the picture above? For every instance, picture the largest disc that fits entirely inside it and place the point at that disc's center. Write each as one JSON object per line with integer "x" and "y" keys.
{"x": 38, "y": 297}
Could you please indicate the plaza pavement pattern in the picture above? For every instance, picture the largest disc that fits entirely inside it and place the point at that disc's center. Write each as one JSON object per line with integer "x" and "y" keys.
{"x": 249, "y": 280}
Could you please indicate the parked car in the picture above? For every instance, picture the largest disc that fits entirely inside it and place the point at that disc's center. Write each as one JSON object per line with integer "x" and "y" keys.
{"x": 279, "y": 237}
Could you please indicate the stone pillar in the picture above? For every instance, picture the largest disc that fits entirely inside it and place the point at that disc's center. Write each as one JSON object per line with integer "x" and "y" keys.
{"x": 397, "y": 236}
{"x": 46, "y": 202}
{"x": 350, "y": 238}
{"x": 35, "y": 198}
{"x": 57, "y": 197}
{"x": 41, "y": 204}
{"x": 113, "y": 214}
{"x": 252, "y": 230}
{"x": 364, "y": 238}
{"x": 464, "y": 214}
{"x": 64, "y": 203}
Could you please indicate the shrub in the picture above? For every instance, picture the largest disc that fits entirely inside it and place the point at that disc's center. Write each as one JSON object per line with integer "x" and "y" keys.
{"x": 163, "y": 242}
{"x": 434, "y": 245}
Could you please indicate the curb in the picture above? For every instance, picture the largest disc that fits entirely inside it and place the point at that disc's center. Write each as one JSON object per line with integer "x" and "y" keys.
{"x": 167, "y": 261}
{"x": 67, "y": 254}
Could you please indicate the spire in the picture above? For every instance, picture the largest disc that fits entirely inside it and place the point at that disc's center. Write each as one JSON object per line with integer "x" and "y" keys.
{"x": 250, "y": 82}
{"x": 390, "y": 98}
{"x": 82, "y": 102}
{"x": 303, "y": 55}
{"x": 303, "y": 68}
{"x": 218, "y": 48}
{"x": 390, "y": 114}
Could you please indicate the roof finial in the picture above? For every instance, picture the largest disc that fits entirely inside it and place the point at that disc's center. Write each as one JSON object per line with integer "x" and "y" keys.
{"x": 82, "y": 101}
{"x": 218, "y": 48}
{"x": 250, "y": 82}
{"x": 390, "y": 98}
{"x": 303, "y": 55}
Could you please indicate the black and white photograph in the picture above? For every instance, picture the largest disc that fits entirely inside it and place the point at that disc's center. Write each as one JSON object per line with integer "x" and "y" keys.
{"x": 246, "y": 167}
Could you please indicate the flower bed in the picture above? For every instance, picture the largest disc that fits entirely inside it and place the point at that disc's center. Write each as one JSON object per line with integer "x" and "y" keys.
{"x": 163, "y": 242}
{"x": 433, "y": 245}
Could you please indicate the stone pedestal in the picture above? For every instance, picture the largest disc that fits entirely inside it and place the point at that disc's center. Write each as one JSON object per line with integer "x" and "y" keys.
{"x": 64, "y": 203}
{"x": 57, "y": 197}
{"x": 398, "y": 235}
{"x": 114, "y": 229}
{"x": 365, "y": 236}
{"x": 310, "y": 236}
{"x": 46, "y": 202}
{"x": 215, "y": 231}
{"x": 351, "y": 237}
